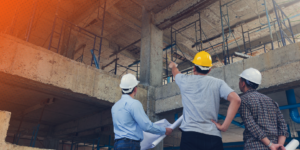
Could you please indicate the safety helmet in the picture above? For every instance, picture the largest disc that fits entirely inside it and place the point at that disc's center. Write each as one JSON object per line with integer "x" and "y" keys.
{"x": 203, "y": 60}
{"x": 252, "y": 75}
{"x": 128, "y": 82}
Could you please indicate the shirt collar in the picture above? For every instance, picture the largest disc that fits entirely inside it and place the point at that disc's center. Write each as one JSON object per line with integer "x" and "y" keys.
{"x": 126, "y": 96}
{"x": 250, "y": 90}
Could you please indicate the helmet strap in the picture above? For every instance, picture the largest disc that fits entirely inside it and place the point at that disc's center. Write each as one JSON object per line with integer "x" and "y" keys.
{"x": 127, "y": 90}
{"x": 203, "y": 68}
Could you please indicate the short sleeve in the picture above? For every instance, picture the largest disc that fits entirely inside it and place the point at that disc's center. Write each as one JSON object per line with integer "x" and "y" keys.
{"x": 225, "y": 90}
{"x": 179, "y": 79}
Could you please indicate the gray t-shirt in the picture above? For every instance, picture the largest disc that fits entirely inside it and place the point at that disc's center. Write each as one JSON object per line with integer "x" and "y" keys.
{"x": 201, "y": 101}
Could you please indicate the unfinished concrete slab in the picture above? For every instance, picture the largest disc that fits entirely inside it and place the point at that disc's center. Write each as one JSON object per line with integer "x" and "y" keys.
{"x": 81, "y": 95}
{"x": 280, "y": 71}
{"x": 4, "y": 123}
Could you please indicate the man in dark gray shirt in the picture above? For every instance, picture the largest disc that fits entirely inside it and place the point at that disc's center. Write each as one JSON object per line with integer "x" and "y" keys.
{"x": 265, "y": 127}
{"x": 201, "y": 96}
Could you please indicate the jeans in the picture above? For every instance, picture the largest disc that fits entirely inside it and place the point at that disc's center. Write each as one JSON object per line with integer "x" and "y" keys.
{"x": 127, "y": 144}
{"x": 199, "y": 141}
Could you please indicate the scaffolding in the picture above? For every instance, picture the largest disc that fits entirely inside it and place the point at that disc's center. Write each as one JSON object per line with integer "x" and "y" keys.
{"x": 281, "y": 20}
{"x": 227, "y": 33}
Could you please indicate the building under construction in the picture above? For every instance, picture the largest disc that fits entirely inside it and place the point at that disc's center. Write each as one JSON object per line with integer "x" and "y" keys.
{"x": 61, "y": 62}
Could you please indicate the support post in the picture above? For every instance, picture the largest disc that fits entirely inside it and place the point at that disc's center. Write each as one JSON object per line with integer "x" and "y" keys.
{"x": 98, "y": 144}
{"x": 31, "y": 22}
{"x": 200, "y": 32}
{"x": 102, "y": 32}
{"x": 116, "y": 62}
{"x": 71, "y": 145}
{"x": 176, "y": 116}
{"x": 151, "y": 67}
{"x": 93, "y": 144}
{"x": 18, "y": 130}
{"x": 38, "y": 127}
{"x": 109, "y": 142}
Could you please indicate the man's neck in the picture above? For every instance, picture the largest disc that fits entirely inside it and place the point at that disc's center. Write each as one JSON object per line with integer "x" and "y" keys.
{"x": 246, "y": 89}
{"x": 197, "y": 73}
{"x": 132, "y": 95}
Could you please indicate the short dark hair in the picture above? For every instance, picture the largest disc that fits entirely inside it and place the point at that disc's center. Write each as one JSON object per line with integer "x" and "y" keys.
{"x": 250, "y": 84}
{"x": 199, "y": 70}
{"x": 128, "y": 89}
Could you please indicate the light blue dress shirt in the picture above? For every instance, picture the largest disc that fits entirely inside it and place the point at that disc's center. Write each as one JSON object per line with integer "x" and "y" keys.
{"x": 130, "y": 120}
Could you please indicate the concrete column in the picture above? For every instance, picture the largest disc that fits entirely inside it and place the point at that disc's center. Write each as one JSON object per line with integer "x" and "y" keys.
{"x": 151, "y": 52}
{"x": 151, "y": 63}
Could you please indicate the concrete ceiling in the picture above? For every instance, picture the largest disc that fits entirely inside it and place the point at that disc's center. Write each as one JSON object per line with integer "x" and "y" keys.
{"x": 239, "y": 11}
{"x": 20, "y": 95}
{"x": 122, "y": 25}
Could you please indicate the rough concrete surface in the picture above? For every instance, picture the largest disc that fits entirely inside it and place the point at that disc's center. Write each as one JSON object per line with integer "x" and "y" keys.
{"x": 4, "y": 123}
{"x": 279, "y": 68}
{"x": 25, "y": 60}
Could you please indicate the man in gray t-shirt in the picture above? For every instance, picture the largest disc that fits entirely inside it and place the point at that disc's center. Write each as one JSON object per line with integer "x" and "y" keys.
{"x": 201, "y": 96}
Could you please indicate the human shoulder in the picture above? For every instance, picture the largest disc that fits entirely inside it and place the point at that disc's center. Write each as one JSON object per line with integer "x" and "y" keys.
{"x": 245, "y": 98}
{"x": 135, "y": 103}
{"x": 253, "y": 97}
{"x": 214, "y": 79}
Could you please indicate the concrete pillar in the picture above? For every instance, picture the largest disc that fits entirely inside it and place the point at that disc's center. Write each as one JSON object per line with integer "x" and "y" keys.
{"x": 151, "y": 52}
{"x": 151, "y": 62}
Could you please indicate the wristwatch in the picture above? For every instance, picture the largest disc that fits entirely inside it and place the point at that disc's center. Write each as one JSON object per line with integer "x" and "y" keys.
{"x": 270, "y": 144}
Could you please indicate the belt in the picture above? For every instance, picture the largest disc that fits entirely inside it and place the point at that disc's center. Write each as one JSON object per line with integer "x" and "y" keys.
{"x": 127, "y": 140}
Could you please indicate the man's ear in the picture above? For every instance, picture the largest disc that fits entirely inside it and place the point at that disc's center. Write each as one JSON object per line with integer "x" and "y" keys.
{"x": 135, "y": 89}
{"x": 209, "y": 71}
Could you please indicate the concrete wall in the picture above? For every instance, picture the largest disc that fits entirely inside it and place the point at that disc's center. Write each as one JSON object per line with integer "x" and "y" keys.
{"x": 4, "y": 123}
{"x": 280, "y": 71}
{"x": 24, "y": 60}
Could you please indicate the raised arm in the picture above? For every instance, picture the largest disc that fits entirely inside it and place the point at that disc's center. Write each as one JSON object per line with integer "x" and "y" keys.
{"x": 174, "y": 68}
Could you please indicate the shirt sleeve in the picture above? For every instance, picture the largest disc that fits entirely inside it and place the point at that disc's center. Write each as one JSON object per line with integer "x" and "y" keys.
{"x": 249, "y": 122}
{"x": 281, "y": 125}
{"x": 225, "y": 90}
{"x": 143, "y": 121}
{"x": 179, "y": 79}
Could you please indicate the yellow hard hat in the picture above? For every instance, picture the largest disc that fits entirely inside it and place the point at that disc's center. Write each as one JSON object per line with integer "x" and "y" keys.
{"x": 203, "y": 59}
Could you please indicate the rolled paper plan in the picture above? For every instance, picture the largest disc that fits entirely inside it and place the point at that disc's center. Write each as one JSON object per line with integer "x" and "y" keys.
{"x": 292, "y": 145}
{"x": 172, "y": 126}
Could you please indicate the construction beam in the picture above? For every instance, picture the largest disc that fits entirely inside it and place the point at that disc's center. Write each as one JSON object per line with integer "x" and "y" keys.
{"x": 260, "y": 41}
{"x": 185, "y": 50}
{"x": 126, "y": 18}
{"x": 242, "y": 55}
{"x": 91, "y": 12}
{"x": 180, "y": 10}
{"x": 125, "y": 48}
{"x": 109, "y": 63}
{"x": 261, "y": 15}
{"x": 81, "y": 46}
{"x": 36, "y": 107}
{"x": 90, "y": 122}
{"x": 265, "y": 39}
{"x": 181, "y": 67}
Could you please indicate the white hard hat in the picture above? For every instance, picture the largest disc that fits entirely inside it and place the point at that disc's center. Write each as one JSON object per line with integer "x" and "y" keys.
{"x": 128, "y": 82}
{"x": 252, "y": 75}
